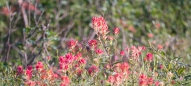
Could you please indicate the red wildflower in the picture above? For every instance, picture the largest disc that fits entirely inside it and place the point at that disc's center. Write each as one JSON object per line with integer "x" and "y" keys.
{"x": 98, "y": 51}
{"x": 142, "y": 80}
{"x": 116, "y": 31}
{"x": 63, "y": 66}
{"x": 69, "y": 57}
{"x": 63, "y": 62}
{"x": 124, "y": 67}
{"x": 63, "y": 84}
{"x": 150, "y": 35}
{"x": 111, "y": 79}
{"x": 72, "y": 43}
{"x": 136, "y": 51}
{"x": 149, "y": 57}
{"x": 19, "y": 70}
{"x": 118, "y": 78}
{"x": 100, "y": 25}
{"x": 65, "y": 80}
{"x": 30, "y": 83}
{"x": 62, "y": 59}
{"x": 29, "y": 67}
{"x": 122, "y": 53}
{"x": 141, "y": 48}
{"x": 39, "y": 66}
{"x": 157, "y": 25}
{"x": 79, "y": 55}
{"x": 92, "y": 43}
{"x": 159, "y": 46}
{"x": 82, "y": 61}
{"x": 79, "y": 72}
{"x": 161, "y": 66}
{"x": 150, "y": 81}
{"x": 28, "y": 73}
{"x": 93, "y": 69}
{"x": 157, "y": 83}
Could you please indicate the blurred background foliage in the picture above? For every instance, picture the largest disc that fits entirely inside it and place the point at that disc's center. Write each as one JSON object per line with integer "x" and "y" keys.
{"x": 36, "y": 29}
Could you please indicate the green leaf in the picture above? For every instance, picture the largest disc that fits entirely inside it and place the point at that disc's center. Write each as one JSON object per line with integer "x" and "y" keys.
{"x": 181, "y": 70}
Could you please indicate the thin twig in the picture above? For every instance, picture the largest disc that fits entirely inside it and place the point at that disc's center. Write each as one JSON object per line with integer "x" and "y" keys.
{"x": 9, "y": 32}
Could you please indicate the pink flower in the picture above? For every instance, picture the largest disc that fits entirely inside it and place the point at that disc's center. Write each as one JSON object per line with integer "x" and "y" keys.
{"x": 142, "y": 80}
{"x": 149, "y": 57}
{"x": 62, "y": 59}
{"x": 65, "y": 80}
{"x": 150, "y": 35}
{"x": 116, "y": 31}
{"x": 124, "y": 67}
{"x": 111, "y": 79}
{"x": 150, "y": 81}
{"x": 69, "y": 57}
{"x": 64, "y": 66}
{"x": 78, "y": 55}
{"x": 93, "y": 69}
{"x": 28, "y": 74}
{"x": 118, "y": 78}
{"x": 72, "y": 43}
{"x": 39, "y": 66}
{"x": 122, "y": 53}
{"x": 92, "y": 43}
{"x": 157, "y": 83}
{"x": 98, "y": 51}
{"x": 157, "y": 25}
{"x": 136, "y": 52}
{"x": 29, "y": 67}
{"x": 19, "y": 70}
{"x": 100, "y": 25}
{"x": 82, "y": 61}
{"x": 30, "y": 83}
{"x": 141, "y": 48}
{"x": 161, "y": 66}
{"x": 159, "y": 46}
{"x": 79, "y": 72}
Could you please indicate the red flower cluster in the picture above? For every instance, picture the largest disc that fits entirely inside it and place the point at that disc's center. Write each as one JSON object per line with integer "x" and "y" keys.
{"x": 149, "y": 57}
{"x": 116, "y": 79}
{"x": 93, "y": 69}
{"x": 28, "y": 72}
{"x": 122, "y": 71}
{"x": 70, "y": 61}
{"x": 92, "y": 43}
{"x": 39, "y": 66}
{"x": 100, "y": 25}
{"x": 122, "y": 53}
{"x": 19, "y": 70}
{"x": 99, "y": 51}
{"x": 145, "y": 81}
{"x": 65, "y": 81}
{"x": 72, "y": 43}
{"x": 116, "y": 31}
{"x": 136, "y": 51}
